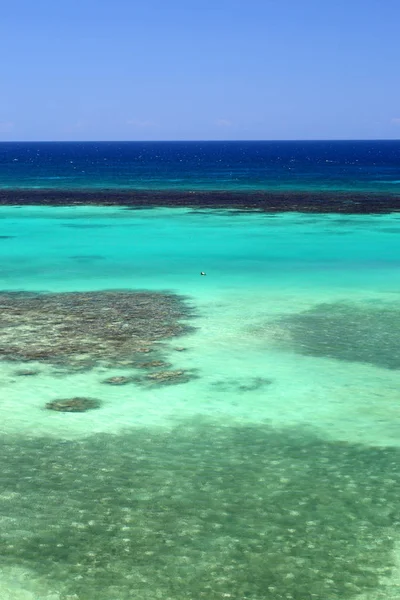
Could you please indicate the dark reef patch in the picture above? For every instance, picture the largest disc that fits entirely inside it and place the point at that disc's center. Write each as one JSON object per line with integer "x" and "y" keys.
{"x": 166, "y": 377}
{"x": 87, "y": 257}
{"x": 86, "y": 225}
{"x": 77, "y": 331}
{"x": 262, "y": 200}
{"x": 317, "y": 233}
{"x": 77, "y": 404}
{"x": 365, "y": 332}
{"x": 117, "y": 380}
{"x": 246, "y": 384}
{"x": 201, "y": 511}
{"x": 27, "y": 372}
{"x": 155, "y": 364}
{"x": 390, "y": 229}
{"x": 7, "y": 237}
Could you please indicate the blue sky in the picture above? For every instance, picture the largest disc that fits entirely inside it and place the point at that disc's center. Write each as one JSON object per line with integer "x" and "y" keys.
{"x": 199, "y": 69}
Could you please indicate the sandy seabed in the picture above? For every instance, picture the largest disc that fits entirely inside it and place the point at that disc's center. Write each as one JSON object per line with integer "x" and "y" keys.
{"x": 271, "y": 470}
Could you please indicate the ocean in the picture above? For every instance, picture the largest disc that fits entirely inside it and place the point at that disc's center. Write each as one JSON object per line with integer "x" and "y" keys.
{"x": 167, "y": 434}
{"x": 228, "y": 166}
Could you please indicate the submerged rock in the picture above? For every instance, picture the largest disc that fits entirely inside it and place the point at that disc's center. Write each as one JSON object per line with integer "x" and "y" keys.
{"x": 27, "y": 372}
{"x": 244, "y": 384}
{"x": 77, "y": 404}
{"x": 160, "y": 378}
{"x": 117, "y": 380}
{"x": 166, "y": 375}
{"x": 152, "y": 364}
{"x": 87, "y": 257}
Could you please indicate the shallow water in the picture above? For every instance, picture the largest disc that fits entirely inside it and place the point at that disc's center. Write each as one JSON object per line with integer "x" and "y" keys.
{"x": 273, "y": 474}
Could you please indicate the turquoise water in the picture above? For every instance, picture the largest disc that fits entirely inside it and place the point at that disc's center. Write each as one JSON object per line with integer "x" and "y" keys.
{"x": 272, "y": 475}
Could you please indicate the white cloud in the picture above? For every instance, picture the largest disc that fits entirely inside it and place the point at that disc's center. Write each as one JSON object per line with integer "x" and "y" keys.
{"x": 73, "y": 127}
{"x": 78, "y": 125}
{"x": 224, "y": 123}
{"x": 140, "y": 123}
{"x": 6, "y": 126}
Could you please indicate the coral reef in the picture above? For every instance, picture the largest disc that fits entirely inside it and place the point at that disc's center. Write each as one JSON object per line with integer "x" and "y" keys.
{"x": 155, "y": 364}
{"x": 245, "y": 384}
{"x": 269, "y": 201}
{"x": 77, "y": 331}
{"x": 161, "y": 378}
{"x": 366, "y": 332}
{"x": 26, "y": 372}
{"x": 78, "y": 404}
{"x": 117, "y": 380}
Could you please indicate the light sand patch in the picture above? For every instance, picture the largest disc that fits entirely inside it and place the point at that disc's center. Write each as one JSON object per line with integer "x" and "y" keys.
{"x": 390, "y": 583}
{"x": 20, "y": 583}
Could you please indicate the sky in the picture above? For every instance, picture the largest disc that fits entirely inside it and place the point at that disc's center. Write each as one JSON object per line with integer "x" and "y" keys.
{"x": 199, "y": 69}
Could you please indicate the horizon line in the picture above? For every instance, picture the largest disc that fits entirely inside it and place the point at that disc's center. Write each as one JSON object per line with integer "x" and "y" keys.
{"x": 197, "y": 141}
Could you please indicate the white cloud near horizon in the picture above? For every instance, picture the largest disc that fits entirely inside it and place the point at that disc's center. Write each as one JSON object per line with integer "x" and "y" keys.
{"x": 6, "y": 126}
{"x": 73, "y": 127}
{"x": 224, "y": 123}
{"x": 142, "y": 123}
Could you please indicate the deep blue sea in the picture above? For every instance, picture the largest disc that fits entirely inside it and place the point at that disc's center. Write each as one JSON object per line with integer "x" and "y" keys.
{"x": 370, "y": 166}
{"x": 167, "y": 435}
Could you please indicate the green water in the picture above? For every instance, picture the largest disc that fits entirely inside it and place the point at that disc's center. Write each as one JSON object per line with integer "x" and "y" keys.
{"x": 273, "y": 475}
